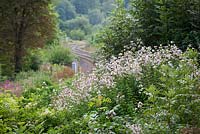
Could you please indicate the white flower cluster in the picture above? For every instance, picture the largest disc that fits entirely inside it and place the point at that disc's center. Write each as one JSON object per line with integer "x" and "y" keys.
{"x": 129, "y": 62}
{"x": 66, "y": 97}
{"x": 135, "y": 128}
{"x": 157, "y": 55}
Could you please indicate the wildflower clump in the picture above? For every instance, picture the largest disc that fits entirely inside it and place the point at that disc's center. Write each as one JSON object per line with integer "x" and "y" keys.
{"x": 128, "y": 63}
{"x": 150, "y": 82}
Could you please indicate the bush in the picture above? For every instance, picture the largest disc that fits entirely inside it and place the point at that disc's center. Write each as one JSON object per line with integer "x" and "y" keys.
{"x": 59, "y": 55}
{"x": 2, "y": 78}
{"x": 95, "y": 17}
{"x": 79, "y": 23}
{"x": 173, "y": 94}
{"x": 31, "y": 79}
{"x": 41, "y": 94}
{"x": 32, "y": 61}
{"x": 30, "y": 113}
{"x": 127, "y": 94}
{"x": 7, "y": 70}
{"x": 8, "y": 109}
{"x": 144, "y": 91}
{"x": 63, "y": 73}
{"x": 77, "y": 34}
{"x": 161, "y": 86}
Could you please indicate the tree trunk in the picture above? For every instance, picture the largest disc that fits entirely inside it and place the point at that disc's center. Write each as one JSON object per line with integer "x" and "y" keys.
{"x": 18, "y": 57}
{"x": 19, "y": 50}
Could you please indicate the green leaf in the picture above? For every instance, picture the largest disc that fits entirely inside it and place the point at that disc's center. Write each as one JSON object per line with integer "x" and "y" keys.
{"x": 152, "y": 89}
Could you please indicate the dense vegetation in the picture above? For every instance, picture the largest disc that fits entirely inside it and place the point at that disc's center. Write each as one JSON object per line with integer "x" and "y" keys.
{"x": 23, "y": 25}
{"x": 151, "y": 23}
{"x": 145, "y": 91}
{"x": 81, "y": 18}
{"x": 146, "y": 78}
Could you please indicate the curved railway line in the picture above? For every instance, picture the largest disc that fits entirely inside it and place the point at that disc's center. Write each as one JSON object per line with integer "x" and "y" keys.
{"x": 82, "y": 54}
{"x": 86, "y": 62}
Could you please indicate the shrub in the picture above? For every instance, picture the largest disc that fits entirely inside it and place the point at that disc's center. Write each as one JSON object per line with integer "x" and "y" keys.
{"x": 127, "y": 94}
{"x": 79, "y": 26}
{"x": 65, "y": 72}
{"x": 95, "y": 16}
{"x": 59, "y": 55}
{"x": 144, "y": 91}
{"x": 2, "y": 78}
{"x": 32, "y": 79}
{"x": 77, "y": 34}
{"x": 32, "y": 61}
{"x": 154, "y": 23}
{"x": 8, "y": 109}
{"x": 41, "y": 94}
{"x": 150, "y": 82}
{"x": 173, "y": 97}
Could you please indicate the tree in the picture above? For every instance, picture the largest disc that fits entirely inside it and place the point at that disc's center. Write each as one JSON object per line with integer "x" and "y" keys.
{"x": 95, "y": 16}
{"x": 154, "y": 22}
{"x": 163, "y": 21}
{"x": 146, "y": 16}
{"x": 118, "y": 32}
{"x": 83, "y": 6}
{"x": 186, "y": 23}
{"x": 77, "y": 34}
{"x": 81, "y": 23}
{"x": 25, "y": 24}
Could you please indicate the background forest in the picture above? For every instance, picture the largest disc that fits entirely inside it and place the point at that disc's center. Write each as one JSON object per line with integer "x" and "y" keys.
{"x": 80, "y": 19}
{"x": 146, "y": 75}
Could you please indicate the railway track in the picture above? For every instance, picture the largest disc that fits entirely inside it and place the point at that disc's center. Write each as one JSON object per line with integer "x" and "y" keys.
{"x": 86, "y": 62}
{"x": 82, "y": 54}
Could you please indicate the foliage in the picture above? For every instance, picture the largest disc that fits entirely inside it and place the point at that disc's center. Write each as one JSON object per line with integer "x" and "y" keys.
{"x": 174, "y": 95}
{"x": 79, "y": 23}
{"x": 151, "y": 90}
{"x": 163, "y": 21}
{"x": 25, "y": 24}
{"x": 152, "y": 23}
{"x": 82, "y": 7}
{"x": 118, "y": 32}
{"x": 77, "y": 34}
{"x": 66, "y": 10}
{"x": 145, "y": 83}
{"x": 74, "y": 13}
{"x": 127, "y": 95}
{"x": 107, "y": 6}
{"x": 40, "y": 95}
{"x": 95, "y": 17}
{"x": 8, "y": 109}
{"x": 63, "y": 73}
{"x": 7, "y": 68}
{"x": 31, "y": 61}
{"x": 32, "y": 79}
{"x": 26, "y": 114}
{"x": 142, "y": 89}
{"x": 59, "y": 55}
